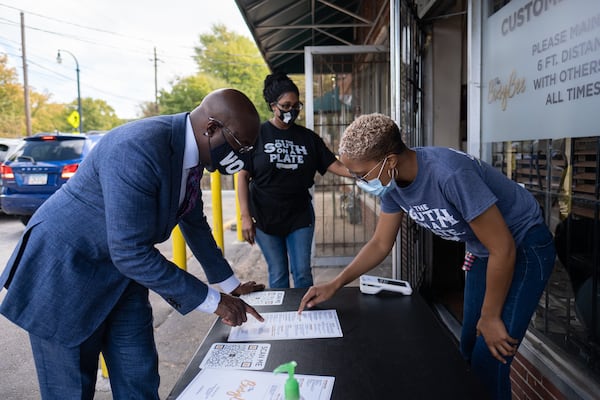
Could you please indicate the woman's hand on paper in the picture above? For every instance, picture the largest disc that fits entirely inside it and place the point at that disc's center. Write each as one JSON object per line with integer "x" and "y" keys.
{"x": 316, "y": 295}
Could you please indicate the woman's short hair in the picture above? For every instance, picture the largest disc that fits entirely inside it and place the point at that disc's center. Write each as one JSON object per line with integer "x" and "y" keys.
{"x": 371, "y": 137}
{"x": 276, "y": 85}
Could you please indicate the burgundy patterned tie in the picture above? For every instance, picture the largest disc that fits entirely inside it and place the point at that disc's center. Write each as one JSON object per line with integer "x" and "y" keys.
{"x": 192, "y": 188}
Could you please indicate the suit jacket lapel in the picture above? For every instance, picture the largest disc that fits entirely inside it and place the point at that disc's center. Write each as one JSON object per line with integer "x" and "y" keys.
{"x": 177, "y": 148}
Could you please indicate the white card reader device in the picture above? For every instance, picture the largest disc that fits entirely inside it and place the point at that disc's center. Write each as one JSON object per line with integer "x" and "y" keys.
{"x": 370, "y": 284}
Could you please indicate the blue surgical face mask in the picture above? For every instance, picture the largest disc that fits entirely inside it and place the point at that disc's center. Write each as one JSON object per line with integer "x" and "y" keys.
{"x": 374, "y": 186}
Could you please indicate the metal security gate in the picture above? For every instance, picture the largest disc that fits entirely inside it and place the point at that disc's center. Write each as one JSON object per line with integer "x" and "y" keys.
{"x": 346, "y": 81}
{"x": 406, "y": 38}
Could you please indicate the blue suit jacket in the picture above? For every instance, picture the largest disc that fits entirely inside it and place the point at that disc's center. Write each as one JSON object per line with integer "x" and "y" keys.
{"x": 95, "y": 235}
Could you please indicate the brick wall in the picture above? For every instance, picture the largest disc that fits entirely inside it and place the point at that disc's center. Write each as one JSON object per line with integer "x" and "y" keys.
{"x": 529, "y": 384}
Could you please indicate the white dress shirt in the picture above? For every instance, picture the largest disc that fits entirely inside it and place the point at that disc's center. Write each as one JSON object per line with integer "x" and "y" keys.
{"x": 191, "y": 158}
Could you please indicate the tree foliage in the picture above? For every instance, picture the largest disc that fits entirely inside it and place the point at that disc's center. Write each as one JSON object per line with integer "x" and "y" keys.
{"x": 12, "y": 104}
{"x": 225, "y": 59}
{"x": 236, "y": 60}
{"x": 186, "y": 93}
{"x": 97, "y": 114}
{"x": 46, "y": 116}
{"x": 148, "y": 109}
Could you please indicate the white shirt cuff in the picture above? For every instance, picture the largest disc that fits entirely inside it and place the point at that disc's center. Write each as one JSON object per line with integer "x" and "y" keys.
{"x": 229, "y": 284}
{"x": 209, "y": 305}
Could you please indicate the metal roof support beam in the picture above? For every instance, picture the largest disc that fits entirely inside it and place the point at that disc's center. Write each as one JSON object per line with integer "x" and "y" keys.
{"x": 281, "y": 43}
{"x": 256, "y": 5}
{"x": 284, "y": 59}
{"x": 286, "y": 52}
{"x": 267, "y": 36}
{"x": 311, "y": 26}
{"x": 275, "y": 15}
{"x": 343, "y": 11}
{"x": 339, "y": 39}
{"x": 379, "y": 15}
{"x": 354, "y": 49}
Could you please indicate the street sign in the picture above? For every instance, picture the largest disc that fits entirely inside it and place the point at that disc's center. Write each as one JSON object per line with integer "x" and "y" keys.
{"x": 73, "y": 119}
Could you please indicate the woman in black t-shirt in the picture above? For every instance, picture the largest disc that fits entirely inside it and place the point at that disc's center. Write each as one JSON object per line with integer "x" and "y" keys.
{"x": 273, "y": 187}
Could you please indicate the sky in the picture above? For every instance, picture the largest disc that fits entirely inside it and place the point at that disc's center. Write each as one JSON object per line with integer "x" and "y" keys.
{"x": 113, "y": 41}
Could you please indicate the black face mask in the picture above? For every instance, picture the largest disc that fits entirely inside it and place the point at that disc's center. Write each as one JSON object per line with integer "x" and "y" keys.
{"x": 224, "y": 159}
{"x": 288, "y": 117}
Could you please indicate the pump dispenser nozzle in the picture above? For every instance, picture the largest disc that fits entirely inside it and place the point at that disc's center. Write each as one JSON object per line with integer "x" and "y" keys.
{"x": 291, "y": 389}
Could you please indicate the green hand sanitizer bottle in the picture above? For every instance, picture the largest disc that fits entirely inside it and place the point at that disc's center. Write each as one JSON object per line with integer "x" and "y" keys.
{"x": 291, "y": 389}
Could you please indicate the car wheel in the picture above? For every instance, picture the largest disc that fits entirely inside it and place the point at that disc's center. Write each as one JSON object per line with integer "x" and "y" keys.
{"x": 25, "y": 219}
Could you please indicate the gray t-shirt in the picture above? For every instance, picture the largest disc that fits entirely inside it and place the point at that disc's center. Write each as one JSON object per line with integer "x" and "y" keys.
{"x": 453, "y": 188}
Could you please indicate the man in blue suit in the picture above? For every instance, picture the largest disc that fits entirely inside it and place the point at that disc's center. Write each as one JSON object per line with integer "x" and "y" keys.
{"x": 85, "y": 290}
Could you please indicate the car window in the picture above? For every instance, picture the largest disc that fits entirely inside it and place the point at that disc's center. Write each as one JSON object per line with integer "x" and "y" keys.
{"x": 7, "y": 146}
{"x": 3, "y": 151}
{"x": 50, "y": 150}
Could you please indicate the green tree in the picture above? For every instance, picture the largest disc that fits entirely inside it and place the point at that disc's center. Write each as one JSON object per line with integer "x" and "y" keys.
{"x": 12, "y": 123}
{"x": 186, "y": 93}
{"x": 47, "y": 116}
{"x": 97, "y": 114}
{"x": 148, "y": 109}
{"x": 235, "y": 59}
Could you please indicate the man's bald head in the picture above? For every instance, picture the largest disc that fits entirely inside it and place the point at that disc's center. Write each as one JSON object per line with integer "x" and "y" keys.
{"x": 231, "y": 107}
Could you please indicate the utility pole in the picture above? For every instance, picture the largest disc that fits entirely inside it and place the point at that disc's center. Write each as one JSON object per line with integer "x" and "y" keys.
{"x": 156, "y": 60}
{"x": 25, "y": 78}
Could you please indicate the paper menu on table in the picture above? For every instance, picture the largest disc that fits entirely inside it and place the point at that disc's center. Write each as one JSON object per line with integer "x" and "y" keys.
{"x": 218, "y": 384}
{"x": 264, "y": 298}
{"x": 289, "y": 325}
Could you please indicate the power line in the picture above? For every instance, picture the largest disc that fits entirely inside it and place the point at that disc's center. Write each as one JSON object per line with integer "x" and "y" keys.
{"x": 74, "y": 24}
{"x": 69, "y": 30}
{"x": 93, "y": 29}
{"x": 54, "y": 74}
{"x": 124, "y": 49}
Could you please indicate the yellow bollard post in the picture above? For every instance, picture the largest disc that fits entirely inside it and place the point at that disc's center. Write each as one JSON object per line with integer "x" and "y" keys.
{"x": 103, "y": 366}
{"x": 217, "y": 206}
{"x": 179, "y": 249}
{"x": 238, "y": 212}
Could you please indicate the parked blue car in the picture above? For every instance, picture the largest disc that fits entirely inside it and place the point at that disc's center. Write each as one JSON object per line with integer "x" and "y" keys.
{"x": 39, "y": 167}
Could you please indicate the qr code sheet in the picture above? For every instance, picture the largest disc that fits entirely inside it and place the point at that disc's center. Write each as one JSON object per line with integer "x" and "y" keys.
{"x": 236, "y": 356}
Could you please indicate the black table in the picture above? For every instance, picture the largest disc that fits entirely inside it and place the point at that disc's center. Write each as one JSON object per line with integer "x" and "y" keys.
{"x": 393, "y": 348}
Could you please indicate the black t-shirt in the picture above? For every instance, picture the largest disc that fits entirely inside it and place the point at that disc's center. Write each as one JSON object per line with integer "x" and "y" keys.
{"x": 282, "y": 169}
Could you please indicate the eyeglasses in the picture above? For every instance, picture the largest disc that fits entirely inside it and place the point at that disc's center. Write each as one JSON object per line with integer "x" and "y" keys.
{"x": 289, "y": 107}
{"x": 364, "y": 177}
{"x": 242, "y": 149}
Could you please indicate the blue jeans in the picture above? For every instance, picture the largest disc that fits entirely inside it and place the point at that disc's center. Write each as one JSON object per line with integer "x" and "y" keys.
{"x": 126, "y": 339}
{"x": 283, "y": 253}
{"x": 533, "y": 266}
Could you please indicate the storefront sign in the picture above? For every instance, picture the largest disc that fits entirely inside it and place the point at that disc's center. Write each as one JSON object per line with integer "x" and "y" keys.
{"x": 541, "y": 70}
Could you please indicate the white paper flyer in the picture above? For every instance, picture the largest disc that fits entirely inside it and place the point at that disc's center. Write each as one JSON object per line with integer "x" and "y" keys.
{"x": 219, "y": 384}
{"x": 289, "y": 325}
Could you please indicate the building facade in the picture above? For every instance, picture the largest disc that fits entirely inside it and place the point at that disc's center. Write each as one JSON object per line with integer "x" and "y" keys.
{"x": 513, "y": 82}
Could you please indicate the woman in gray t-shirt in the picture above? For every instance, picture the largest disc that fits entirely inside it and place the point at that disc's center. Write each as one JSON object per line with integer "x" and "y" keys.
{"x": 510, "y": 251}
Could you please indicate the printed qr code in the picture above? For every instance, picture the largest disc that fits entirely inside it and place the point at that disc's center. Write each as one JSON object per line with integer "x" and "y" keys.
{"x": 236, "y": 355}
